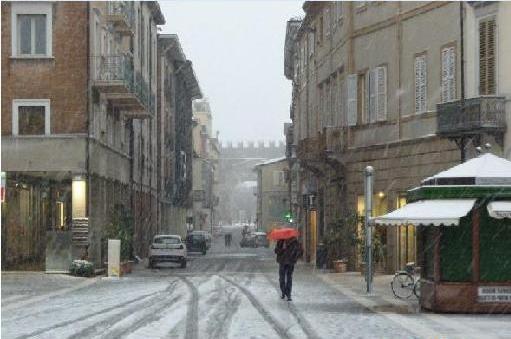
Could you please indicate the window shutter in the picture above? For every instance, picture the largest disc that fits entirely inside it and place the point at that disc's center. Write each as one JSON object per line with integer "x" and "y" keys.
{"x": 448, "y": 74}
{"x": 276, "y": 178}
{"x": 381, "y": 93}
{"x": 351, "y": 102}
{"x": 487, "y": 80}
{"x": 327, "y": 21}
{"x": 420, "y": 83}
{"x": 452, "y": 74}
{"x": 367, "y": 98}
{"x": 311, "y": 43}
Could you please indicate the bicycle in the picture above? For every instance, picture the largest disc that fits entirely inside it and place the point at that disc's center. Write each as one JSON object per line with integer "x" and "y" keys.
{"x": 404, "y": 283}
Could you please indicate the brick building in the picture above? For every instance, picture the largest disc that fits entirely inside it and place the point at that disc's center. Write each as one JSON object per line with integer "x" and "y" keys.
{"x": 80, "y": 135}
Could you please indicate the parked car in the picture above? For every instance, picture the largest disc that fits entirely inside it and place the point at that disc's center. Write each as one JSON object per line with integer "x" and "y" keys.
{"x": 196, "y": 242}
{"x": 167, "y": 248}
{"x": 248, "y": 240}
{"x": 261, "y": 240}
{"x": 207, "y": 235}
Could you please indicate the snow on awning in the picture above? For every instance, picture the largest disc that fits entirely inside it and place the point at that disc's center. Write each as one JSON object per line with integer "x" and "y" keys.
{"x": 499, "y": 209}
{"x": 440, "y": 212}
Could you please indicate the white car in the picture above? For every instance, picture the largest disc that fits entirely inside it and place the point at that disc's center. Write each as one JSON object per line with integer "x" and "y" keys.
{"x": 167, "y": 248}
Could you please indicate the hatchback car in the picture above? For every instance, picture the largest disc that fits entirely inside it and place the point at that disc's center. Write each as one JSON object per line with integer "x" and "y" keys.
{"x": 261, "y": 239}
{"x": 167, "y": 248}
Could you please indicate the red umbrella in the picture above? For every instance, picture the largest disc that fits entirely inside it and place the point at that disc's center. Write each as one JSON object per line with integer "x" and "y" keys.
{"x": 283, "y": 233}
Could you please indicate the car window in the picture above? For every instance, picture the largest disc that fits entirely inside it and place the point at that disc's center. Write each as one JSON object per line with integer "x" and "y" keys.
{"x": 167, "y": 240}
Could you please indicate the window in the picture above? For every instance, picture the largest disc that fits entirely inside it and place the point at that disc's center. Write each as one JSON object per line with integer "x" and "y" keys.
{"x": 278, "y": 178}
{"x": 31, "y": 25}
{"x": 373, "y": 95}
{"x": 31, "y": 117}
{"x": 487, "y": 62}
{"x": 351, "y": 102}
{"x": 420, "y": 83}
{"x": 448, "y": 74}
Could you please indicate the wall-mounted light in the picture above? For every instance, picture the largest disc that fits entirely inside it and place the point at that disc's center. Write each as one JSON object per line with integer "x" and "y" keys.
{"x": 381, "y": 195}
{"x": 79, "y": 197}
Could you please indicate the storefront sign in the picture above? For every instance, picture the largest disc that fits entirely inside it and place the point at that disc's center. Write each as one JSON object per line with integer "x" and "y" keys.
{"x": 494, "y": 294}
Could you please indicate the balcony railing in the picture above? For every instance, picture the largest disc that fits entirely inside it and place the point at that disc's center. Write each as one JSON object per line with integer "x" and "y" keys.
{"x": 123, "y": 87}
{"x": 121, "y": 13}
{"x": 114, "y": 72}
{"x": 477, "y": 115}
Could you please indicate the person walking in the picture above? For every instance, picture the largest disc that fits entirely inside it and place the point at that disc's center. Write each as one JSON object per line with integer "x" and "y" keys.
{"x": 288, "y": 251}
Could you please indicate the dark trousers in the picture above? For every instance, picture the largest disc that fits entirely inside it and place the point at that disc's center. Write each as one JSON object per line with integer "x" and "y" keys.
{"x": 286, "y": 278}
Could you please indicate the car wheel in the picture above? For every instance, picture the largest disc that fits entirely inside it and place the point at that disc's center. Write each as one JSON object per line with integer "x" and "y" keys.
{"x": 183, "y": 263}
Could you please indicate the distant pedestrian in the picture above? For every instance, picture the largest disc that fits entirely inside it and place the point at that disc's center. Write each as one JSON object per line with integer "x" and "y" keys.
{"x": 227, "y": 239}
{"x": 288, "y": 251}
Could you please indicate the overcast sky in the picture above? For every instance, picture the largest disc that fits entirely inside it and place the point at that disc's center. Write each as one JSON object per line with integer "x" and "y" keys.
{"x": 237, "y": 50}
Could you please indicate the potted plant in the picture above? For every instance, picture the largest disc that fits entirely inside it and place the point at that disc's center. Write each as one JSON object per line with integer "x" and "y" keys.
{"x": 339, "y": 242}
{"x": 121, "y": 227}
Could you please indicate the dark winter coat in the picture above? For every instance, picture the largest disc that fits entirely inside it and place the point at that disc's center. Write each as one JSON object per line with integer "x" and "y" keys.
{"x": 288, "y": 251}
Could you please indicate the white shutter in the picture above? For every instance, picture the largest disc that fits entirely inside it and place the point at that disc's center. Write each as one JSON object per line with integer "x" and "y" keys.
{"x": 420, "y": 84}
{"x": 452, "y": 74}
{"x": 327, "y": 21}
{"x": 342, "y": 96}
{"x": 373, "y": 98}
{"x": 381, "y": 93}
{"x": 448, "y": 74}
{"x": 351, "y": 102}
{"x": 311, "y": 43}
{"x": 365, "y": 104}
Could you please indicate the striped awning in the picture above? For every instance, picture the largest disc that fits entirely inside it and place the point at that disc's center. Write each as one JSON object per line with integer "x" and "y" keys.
{"x": 439, "y": 212}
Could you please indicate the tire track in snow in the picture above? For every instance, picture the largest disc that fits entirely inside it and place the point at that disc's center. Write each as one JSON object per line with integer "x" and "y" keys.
{"x": 109, "y": 321}
{"x": 281, "y": 331}
{"x": 192, "y": 314}
{"x": 300, "y": 320}
{"x": 89, "y": 315}
{"x": 222, "y": 313}
{"x": 154, "y": 314}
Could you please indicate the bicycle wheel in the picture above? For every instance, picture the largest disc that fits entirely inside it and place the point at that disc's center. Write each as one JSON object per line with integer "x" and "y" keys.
{"x": 417, "y": 289}
{"x": 402, "y": 285}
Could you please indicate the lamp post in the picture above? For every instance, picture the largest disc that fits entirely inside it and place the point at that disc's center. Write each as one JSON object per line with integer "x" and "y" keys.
{"x": 368, "y": 191}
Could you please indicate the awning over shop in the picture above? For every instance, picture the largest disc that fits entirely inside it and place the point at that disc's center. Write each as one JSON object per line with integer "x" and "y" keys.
{"x": 440, "y": 212}
{"x": 499, "y": 209}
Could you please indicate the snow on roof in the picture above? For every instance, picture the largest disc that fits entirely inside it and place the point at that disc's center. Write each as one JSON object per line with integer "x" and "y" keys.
{"x": 485, "y": 169}
{"x": 271, "y": 161}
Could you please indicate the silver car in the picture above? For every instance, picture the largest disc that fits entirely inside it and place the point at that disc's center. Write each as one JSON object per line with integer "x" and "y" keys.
{"x": 167, "y": 248}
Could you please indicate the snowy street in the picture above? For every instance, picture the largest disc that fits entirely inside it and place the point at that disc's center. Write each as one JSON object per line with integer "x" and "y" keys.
{"x": 229, "y": 293}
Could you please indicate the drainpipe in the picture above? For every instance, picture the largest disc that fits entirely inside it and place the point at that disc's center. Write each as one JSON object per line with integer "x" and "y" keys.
{"x": 88, "y": 107}
{"x": 462, "y": 85}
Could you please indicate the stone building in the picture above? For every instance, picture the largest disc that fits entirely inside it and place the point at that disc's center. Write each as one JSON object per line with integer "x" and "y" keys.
{"x": 237, "y": 180}
{"x": 376, "y": 83}
{"x": 205, "y": 163}
{"x": 79, "y": 128}
{"x": 272, "y": 194}
{"x": 179, "y": 88}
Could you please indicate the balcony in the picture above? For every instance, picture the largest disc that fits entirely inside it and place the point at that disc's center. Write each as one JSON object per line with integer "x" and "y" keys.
{"x": 123, "y": 88}
{"x": 479, "y": 115}
{"x": 120, "y": 13}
